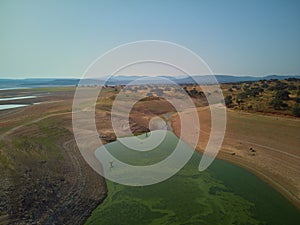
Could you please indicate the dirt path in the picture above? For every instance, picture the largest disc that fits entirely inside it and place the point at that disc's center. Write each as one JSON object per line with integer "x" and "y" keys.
{"x": 77, "y": 190}
{"x": 259, "y": 145}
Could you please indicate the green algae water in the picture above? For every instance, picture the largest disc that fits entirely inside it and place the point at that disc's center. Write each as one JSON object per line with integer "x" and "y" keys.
{"x": 223, "y": 194}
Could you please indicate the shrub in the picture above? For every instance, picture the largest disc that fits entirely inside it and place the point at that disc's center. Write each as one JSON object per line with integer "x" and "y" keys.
{"x": 279, "y": 86}
{"x": 292, "y": 87}
{"x": 296, "y": 110}
{"x": 242, "y": 95}
{"x": 276, "y": 103}
{"x": 282, "y": 95}
{"x": 264, "y": 85}
{"x": 228, "y": 100}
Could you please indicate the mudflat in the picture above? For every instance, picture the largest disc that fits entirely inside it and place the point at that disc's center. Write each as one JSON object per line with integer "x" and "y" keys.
{"x": 44, "y": 178}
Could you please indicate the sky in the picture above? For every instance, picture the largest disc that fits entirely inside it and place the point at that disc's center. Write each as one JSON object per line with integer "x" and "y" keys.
{"x": 61, "y": 38}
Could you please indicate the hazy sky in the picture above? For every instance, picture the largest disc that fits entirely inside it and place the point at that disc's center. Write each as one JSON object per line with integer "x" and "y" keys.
{"x": 61, "y": 38}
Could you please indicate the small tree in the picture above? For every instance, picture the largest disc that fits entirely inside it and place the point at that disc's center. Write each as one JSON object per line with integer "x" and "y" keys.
{"x": 228, "y": 100}
{"x": 276, "y": 103}
{"x": 186, "y": 90}
{"x": 159, "y": 92}
{"x": 292, "y": 87}
{"x": 167, "y": 88}
{"x": 296, "y": 110}
{"x": 193, "y": 92}
{"x": 282, "y": 95}
{"x": 242, "y": 95}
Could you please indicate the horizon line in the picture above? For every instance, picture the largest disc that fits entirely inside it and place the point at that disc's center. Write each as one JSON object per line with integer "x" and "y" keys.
{"x": 74, "y": 78}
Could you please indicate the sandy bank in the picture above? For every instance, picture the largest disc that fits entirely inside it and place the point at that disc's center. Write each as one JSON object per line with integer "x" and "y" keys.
{"x": 267, "y": 146}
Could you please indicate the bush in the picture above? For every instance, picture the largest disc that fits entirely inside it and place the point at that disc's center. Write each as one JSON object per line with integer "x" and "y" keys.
{"x": 276, "y": 103}
{"x": 282, "y": 95}
{"x": 292, "y": 87}
{"x": 264, "y": 85}
{"x": 228, "y": 100}
{"x": 280, "y": 86}
{"x": 242, "y": 95}
{"x": 296, "y": 110}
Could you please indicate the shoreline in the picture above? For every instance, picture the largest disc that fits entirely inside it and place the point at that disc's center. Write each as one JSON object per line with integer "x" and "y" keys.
{"x": 265, "y": 178}
{"x": 251, "y": 167}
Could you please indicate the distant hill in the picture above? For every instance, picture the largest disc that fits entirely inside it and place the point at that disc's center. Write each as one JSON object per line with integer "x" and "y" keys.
{"x": 36, "y": 82}
{"x": 123, "y": 80}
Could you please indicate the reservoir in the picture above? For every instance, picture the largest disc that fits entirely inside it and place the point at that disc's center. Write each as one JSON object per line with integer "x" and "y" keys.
{"x": 222, "y": 194}
{"x": 11, "y": 106}
{"x": 17, "y": 98}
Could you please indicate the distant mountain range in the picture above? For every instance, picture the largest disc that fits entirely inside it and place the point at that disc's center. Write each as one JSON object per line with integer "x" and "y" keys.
{"x": 123, "y": 80}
